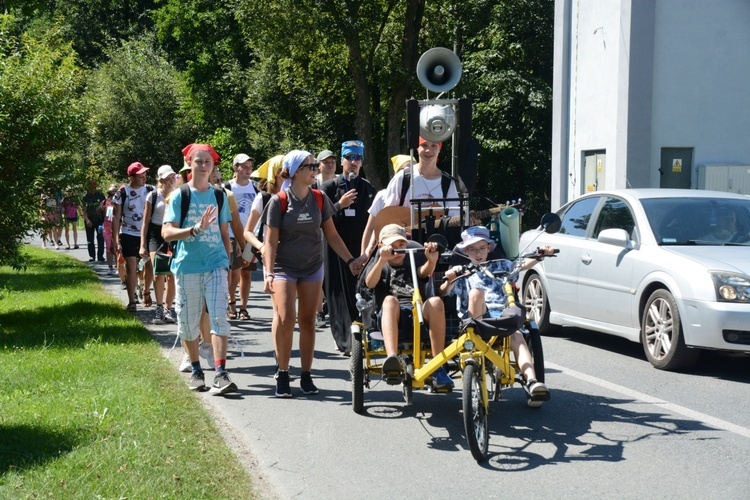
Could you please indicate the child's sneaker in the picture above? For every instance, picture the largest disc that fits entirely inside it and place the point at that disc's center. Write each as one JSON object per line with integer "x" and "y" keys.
{"x": 306, "y": 384}
{"x": 168, "y": 317}
{"x": 537, "y": 392}
{"x": 393, "y": 370}
{"x": 441, "y": 380}
{"x": 159, "y": 315}
{"x": 282, "y": 385}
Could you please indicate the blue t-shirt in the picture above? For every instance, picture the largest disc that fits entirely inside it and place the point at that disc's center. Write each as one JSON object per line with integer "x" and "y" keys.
{"x": 205, "y": 252}
{"x": 494, "y": 298}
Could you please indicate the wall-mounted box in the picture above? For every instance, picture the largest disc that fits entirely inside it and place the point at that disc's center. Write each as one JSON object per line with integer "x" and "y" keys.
{"x": 728, "y": 178}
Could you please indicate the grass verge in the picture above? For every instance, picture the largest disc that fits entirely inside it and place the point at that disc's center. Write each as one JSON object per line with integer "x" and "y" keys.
{"x": 89, "y": 407}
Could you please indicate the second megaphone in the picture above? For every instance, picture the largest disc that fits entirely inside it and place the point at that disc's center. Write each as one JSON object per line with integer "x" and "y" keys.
{"x": 439, "y": 69}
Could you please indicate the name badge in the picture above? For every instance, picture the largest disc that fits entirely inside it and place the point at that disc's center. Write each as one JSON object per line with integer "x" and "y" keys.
{"x": 349, "y": 212}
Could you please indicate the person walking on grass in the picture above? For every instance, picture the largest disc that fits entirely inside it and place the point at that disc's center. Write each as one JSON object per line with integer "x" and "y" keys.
{"x": 201, "y": 264}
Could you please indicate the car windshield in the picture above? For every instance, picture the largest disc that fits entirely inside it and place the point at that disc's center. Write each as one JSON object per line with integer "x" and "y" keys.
{"x": 699, "y": 221}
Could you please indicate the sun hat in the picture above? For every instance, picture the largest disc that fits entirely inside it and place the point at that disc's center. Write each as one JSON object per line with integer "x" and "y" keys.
{"x": 165, "y": 171}
{"x": 475, "y": 234}
{"x": 269, "y": 169}
{"x": 391, "y": 233}
{"x": 136, "y": 168}
{"x": 324, "y": 155}
{"x": 112, "y": 189}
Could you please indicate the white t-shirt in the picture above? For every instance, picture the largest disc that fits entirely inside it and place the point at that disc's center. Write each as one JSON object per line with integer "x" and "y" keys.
{"x": 132, "y": 213}
{"x": 157, "y": 211}
{"x": 423, "y": 189}
{"x": 245, "y": 196}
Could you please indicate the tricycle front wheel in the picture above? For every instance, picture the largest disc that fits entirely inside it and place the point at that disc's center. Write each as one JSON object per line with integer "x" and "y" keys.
{"x": 475, "y": 416}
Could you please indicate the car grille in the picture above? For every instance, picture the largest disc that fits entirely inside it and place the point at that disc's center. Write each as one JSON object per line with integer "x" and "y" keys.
{"x": 736, "y": 336}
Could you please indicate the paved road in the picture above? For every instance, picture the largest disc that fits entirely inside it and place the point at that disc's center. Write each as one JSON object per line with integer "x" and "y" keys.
{"x": 615, "y": 427}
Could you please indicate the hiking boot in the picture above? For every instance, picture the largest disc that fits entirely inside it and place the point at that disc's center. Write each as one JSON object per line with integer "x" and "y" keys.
{"x": 393, "y": 370}
{"x": 185, "y": 365}
{"x": 222, "y": 384}
{"x": 206, "y": 351}
{"x": 197, "y": 381}
{"x": 282, "y": 385}
{"x": 159, "y": 315}
{"x": 441, "y": 380}
{"x": 168, "y": 317}
{"x": 307, "y": 385}
{"x": 537, "y": 392}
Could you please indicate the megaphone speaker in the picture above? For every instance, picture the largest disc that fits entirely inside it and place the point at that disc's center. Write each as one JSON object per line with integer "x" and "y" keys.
{"x": 436, "y": 122}
{"x": 439, "y": 69}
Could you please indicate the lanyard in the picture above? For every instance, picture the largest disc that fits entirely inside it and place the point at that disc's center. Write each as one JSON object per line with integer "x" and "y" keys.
{"x": 346, "y": 182}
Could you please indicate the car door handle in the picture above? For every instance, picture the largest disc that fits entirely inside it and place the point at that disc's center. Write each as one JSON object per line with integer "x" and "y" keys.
{"x": 586, "y": 259}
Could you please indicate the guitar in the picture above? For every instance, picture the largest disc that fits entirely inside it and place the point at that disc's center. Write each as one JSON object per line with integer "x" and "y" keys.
{"x": 402, "y": 215}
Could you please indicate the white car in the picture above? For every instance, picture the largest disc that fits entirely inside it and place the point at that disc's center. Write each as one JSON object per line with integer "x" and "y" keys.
{"x": 669, "y": 268}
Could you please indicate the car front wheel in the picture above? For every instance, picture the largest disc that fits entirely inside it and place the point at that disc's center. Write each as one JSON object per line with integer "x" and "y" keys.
{"x": 661, "y": 334}
{"x": 536, "y": 304}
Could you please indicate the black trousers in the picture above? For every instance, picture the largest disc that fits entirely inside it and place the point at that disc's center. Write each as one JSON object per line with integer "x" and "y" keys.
{"x": 90, "y": 232}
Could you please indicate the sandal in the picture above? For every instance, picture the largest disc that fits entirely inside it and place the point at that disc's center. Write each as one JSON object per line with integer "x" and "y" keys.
{"x": 231, "y": 311}
{"x": 244, "y": 316}
{"x": 147, "y": 302}
{"x": 131, "y": 307}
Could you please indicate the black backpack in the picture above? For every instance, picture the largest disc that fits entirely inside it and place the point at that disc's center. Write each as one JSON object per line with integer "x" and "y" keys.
{"x": 185, "y": 206}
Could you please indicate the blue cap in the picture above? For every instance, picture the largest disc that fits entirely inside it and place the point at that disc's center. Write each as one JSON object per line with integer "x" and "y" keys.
{"x": 352, "y": 147}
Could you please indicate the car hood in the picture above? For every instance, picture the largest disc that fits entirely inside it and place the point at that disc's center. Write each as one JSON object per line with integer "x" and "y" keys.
{"x": 727, "y": 258}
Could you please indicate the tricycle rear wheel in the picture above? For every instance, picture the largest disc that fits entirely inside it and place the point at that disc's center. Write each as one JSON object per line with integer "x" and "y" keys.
{"x": 357, "y": 368}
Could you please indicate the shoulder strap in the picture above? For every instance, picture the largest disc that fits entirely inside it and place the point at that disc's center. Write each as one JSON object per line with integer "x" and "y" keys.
{"x": 184, "y": 202}
{"x": 282, "y": 198}
{"x": 405, "y": 181}
{"x": 228, "y": 185}
{"x": 151, "y": 197}
{"x": 445, "y": 182}
{"x": 123, "y": 195}
{"x": 318, "y": 198}
{"x": 219, "y": 193}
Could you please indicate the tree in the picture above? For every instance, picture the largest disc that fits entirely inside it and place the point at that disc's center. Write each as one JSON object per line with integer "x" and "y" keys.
{"x": 137, "y": 114}
{"x": 40, "y": 126}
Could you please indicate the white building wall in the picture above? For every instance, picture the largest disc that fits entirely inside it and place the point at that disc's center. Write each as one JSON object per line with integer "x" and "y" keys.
{"x": 634, "y": 76}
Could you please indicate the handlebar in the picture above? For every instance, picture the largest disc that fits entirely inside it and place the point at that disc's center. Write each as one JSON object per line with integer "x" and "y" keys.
{"x": 469, "y": 269}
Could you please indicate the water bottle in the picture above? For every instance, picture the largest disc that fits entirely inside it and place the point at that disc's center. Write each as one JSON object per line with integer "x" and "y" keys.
{"x": 361, "y": 303}
{"x": 375, "y": 341}
{"x": 141, "y": 264}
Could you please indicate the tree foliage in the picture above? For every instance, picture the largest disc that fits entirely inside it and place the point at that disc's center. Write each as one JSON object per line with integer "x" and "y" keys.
{"x": 40, "y": 126}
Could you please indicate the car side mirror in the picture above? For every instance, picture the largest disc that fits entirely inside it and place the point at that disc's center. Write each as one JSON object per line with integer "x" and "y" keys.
{"x": 550, "y": 223}
{"x": 616, "y": 237}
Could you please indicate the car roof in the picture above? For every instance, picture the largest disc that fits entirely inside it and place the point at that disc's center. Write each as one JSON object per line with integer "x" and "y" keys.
{"x": 641, "y": 193}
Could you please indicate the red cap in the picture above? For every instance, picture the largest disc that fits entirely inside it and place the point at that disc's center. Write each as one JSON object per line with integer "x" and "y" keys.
{"x": 136, "y": 169}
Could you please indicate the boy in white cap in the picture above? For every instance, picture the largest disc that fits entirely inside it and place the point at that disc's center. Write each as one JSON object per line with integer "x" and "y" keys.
{"x": 481, "y": 296}
{"x": 390, "y": 277}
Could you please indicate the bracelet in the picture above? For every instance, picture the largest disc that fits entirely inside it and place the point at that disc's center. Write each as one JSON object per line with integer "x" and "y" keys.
{"x": 270, "y": 275}
{"x": 348, "y": 262}
{"x": 197, "y": 229}
{"x": 192, "y": 231}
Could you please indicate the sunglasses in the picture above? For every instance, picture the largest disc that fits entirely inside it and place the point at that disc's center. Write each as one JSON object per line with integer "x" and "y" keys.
{"x": 311, "y": 166}
{"x": 354, "y": 157}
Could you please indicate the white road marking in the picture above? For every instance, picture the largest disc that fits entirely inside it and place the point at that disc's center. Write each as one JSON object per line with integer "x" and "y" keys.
{"x": 671, "y": 407}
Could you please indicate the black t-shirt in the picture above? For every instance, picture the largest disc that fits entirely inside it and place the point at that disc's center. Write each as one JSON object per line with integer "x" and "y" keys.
{"x": 397, "y": 281}
{"x": 92, "y": 201}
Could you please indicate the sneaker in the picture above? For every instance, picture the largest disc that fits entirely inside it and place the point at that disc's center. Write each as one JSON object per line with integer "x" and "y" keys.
{"x": 110, "y": 272}
{"x": 168, "y": 317}
{"x": 393, "y": 370}
{"x": 538, "y": 393}
{"x": 282, "y": 385}
{"x": 75, "y": 247}
{"x": 123, "y": 285}
{"x": 320, "y": 320}
{"x": 222, "y": 384}
{"x": 206, "y": 351}
{"x": 59, "y": 242}
{"x": 441, "y": 380}
{"x": 197, "y": 381}
{"x": 159, "y": 315}
{"x": 306, "y": 384}
{"x": 185, "y": 365}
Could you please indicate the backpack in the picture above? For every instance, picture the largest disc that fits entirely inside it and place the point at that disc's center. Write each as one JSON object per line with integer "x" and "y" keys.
{"x": 445, "y": 183}
{"x": 260, "y": 232}
{"x": 124, "y": 192}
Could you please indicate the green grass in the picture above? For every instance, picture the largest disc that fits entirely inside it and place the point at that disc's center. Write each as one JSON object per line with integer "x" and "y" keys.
{"x": 89, "y": 407}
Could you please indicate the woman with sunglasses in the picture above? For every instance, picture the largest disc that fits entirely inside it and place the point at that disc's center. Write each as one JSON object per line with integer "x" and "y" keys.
{"x": 293, "y": 264}
{"x": 352, "y": 196}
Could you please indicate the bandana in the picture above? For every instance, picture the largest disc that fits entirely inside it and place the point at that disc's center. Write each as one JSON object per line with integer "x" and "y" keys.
{"x": 352, "y": 147}
{"x": 189, "y": 150}
{"x": 269, "y": 169}
{"x": 399, "y": 161}
{"x": 293, "y": 159}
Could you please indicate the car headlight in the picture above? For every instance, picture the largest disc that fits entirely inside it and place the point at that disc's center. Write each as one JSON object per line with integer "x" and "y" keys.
{"x": 731, "y": 287}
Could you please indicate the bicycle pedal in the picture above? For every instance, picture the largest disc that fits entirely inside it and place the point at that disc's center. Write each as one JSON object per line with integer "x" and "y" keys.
{"x": 393, "y": 378}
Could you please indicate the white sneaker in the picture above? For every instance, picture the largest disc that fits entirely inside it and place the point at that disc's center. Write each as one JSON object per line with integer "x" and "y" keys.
{"x": 168, "y": 318}
{"x": 206, "y": 351}
{"x": 185, "y": 365}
